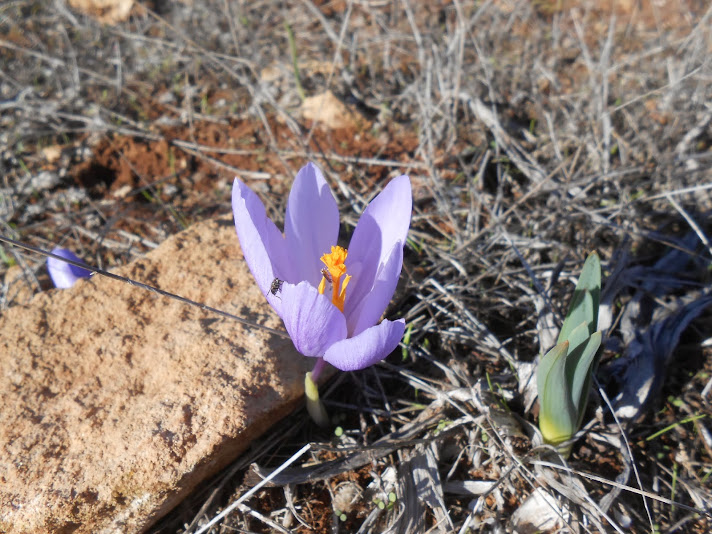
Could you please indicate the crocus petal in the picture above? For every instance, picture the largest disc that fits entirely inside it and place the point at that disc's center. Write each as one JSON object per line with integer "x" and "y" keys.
{"x": 372, "y": 306}
{"x": 312, "y": 321}
{"x": 367, "y": 348}
{"x": 262, "y": 243}
{"x": 384, "y": 223}
{"x": 63, "y": 274}
{"x": 311, "y": 224}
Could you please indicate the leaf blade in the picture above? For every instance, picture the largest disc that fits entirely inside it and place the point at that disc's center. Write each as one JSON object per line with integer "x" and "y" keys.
{"x": 557, "y": 418}
{"x": 586, "y": 299}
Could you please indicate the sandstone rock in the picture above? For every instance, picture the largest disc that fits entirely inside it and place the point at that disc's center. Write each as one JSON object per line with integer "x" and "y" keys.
{"x": 330, "y": 112}
{"x": 20, "y": 286}
{"x": 105, "y": 11}
{"x": 116, "y": 402}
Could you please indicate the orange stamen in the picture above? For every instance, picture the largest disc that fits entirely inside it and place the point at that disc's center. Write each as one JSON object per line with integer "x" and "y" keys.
{"x": 334, "y": 262}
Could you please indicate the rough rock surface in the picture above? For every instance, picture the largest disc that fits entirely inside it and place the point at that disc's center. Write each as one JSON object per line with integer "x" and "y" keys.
{"x": 115, "y": 402}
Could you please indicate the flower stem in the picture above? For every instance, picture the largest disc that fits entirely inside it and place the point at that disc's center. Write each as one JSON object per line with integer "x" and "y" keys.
{"x": 314, "y": 406}
{"x": 318, "y": 368}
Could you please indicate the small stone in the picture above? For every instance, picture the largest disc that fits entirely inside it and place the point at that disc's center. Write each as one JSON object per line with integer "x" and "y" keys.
{"x": 52, "y": 153}
{"x": 105, "y": 11}
{"x": 43, "y": 180}
{"x": 330, "y": 112}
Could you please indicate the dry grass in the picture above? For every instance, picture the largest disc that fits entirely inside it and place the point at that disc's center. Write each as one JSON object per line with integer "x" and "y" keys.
{"x": 534, "y": 132}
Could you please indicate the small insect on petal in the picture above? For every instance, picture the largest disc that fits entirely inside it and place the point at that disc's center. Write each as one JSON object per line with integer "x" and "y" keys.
{"x": 327, "y": 275}
{"x": 276, "y": 286}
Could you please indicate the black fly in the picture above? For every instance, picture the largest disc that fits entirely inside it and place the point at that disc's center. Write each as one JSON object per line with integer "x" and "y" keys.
{"x": 276, "y": 286}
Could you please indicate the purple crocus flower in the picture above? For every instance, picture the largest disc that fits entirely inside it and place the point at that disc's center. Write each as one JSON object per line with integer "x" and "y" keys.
{"x": 65, "y": 275}
{"x": 329, "y": 298}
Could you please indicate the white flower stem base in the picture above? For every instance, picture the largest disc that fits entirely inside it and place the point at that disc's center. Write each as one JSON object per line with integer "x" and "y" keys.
{"x": 314, "y": 405}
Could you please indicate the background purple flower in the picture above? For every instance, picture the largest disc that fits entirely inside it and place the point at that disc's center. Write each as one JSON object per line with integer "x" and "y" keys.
{"x": 65, "y": 275}
{"x": 350, "y": 339}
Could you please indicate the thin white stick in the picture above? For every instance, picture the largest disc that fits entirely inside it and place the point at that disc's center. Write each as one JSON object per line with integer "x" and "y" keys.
{"x": 696, "y": 227}
{"x": 254, "y": 490}
{"x": 605, "y": 398}
{"x": 630, "y": 489}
